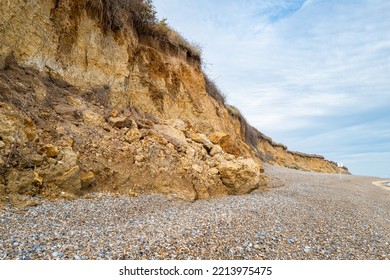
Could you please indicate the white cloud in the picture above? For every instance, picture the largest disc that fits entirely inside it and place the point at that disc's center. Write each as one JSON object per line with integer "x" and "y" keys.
{"x": 298, "y": 68}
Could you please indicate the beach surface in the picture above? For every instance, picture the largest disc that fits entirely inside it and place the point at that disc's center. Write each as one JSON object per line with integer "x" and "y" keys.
{"x": 302, "y": 216}
{"x": 385, "y": 184}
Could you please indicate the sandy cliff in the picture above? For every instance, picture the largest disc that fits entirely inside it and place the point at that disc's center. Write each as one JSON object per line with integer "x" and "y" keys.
{"x": 87, "y": 109}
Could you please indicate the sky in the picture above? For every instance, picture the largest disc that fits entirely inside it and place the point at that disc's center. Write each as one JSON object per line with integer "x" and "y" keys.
{"x": 313, "y": 75}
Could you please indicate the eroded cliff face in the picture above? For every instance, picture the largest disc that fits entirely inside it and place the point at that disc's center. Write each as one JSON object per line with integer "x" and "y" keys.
{"x": 158, "y": 78}
{"x": 83, "y": 110}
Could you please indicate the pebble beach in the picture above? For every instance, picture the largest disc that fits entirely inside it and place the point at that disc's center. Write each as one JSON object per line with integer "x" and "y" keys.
{"x": 302, "y": 216}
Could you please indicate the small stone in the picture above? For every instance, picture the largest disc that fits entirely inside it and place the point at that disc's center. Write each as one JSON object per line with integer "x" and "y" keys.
{"x": 38, "y": 180}
{"x": 147, "y": 124}
{"x": 55, "y": 254}
{"x": 202, "y": 139}
{"x": 87, "y": 179}
{"x": 64, "y": 109}
{"x": 213, "y": 171}
{"x": 179, "y": 124}
{"x": 307, "y": 249}
{"x": 291, "y": 240}
{"x": 216, "y": 149}
{"x": 26, "y": 151}
{"x": 198, "y": 137}
{"x": 114, "y": 113}
{"x": 51, "y": 161}
{"x": 2, "y": 144}
{"x": 256, "y": 246}
{"x": 133, "y": 135}
{"x": 139, "y": 158}
{"x": 51, "y": 150}
{"x": 36, "y": 158}
{"x": 92, "y": 118}
{"x": 197, "y": 168}
{"x": 120, "y": 122}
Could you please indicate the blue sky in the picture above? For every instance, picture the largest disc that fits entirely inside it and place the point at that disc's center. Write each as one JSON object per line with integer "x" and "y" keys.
{"x": 313, "y": 75}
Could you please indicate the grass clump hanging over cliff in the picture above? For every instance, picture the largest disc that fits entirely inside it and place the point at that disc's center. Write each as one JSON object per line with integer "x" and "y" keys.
{"x": 114, "y": 15}
{"x": 213, "y": 90}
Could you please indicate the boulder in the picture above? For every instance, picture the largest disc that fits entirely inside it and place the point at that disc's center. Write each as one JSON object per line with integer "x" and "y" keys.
{"x": 64, "y": 173}
{"x": 69, "y": 180}
{"x": 240, "y": 176}
{"x": 172, "y": 135}
{"x": 87, "y": 179}
{"x": 201, "y": 139}
{"x": 225, "y": 141}
{"x": 21, "y": 182}
{"x": 14, "y": 125}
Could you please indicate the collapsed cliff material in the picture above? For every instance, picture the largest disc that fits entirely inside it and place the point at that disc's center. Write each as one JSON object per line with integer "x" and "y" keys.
{"x": 94, "y": 99}
{"x": 66, "y": 146}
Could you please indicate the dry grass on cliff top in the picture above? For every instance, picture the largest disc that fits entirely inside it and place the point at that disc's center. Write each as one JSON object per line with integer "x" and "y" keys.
{"x": 114, "y": 15}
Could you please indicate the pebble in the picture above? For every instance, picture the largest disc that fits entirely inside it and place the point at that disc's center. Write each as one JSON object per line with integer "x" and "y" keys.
{"x": 314, "y": 216}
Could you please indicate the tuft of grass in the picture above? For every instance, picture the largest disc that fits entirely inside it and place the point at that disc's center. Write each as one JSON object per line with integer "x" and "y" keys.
{"x": 213, "y": 90}
{"x": 233, "y": 111}
{"x": 164, "y": 31}
{"x": 251, "y": 135}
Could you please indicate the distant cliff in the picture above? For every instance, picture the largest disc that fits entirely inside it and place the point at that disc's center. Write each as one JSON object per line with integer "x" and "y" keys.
{"x": 100, "y": 96}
